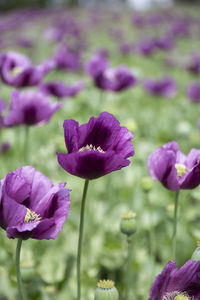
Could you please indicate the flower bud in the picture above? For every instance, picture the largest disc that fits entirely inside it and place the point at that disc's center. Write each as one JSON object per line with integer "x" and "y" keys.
{"x": 128, "y": 224}
{"x": 196, "y": 253}
{"x": 106, "y": 290}
{"x": 146, "y": 183}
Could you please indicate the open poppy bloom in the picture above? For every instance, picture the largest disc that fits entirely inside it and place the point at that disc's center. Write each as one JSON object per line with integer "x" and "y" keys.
{"x": 174, "y": 284}
{"x": 17, "y": 70}
{"x": 29, "y": 108}
{"x": 174, "y": 169}
{"x": 31, "y": 206}
{"x": 95, "y": 148}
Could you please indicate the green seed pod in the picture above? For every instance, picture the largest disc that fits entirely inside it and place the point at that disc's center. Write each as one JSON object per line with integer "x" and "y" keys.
{"x": 146, "y": 183}
{"x": 106, "y": 290}
{"x": 128, "y": 223}
{"x": 196, "y": 253}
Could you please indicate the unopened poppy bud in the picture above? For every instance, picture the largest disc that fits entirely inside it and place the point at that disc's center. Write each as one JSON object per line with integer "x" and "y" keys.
{"x": 128, "y": 224}
{"x": 106, "y": 290}
{"x": 146, "y": 183}
{"x": 196, "y": 253}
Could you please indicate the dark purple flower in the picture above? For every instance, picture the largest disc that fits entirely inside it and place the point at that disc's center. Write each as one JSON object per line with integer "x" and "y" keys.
{"x": 173, "y": 282}
{"x": 115, "y": 79}
{"x": 17, "y": 70}
{"x": 67, "y": 59}
{"x": 29, "y": 108}
{"x": 31, "y": 206}
{"x": 193, "y": 65}
{"x": 193, "y": 92}
{"x": 95, "y": 148}
{"x": 97, "y": 64}
{"x": 4, "y": 147}
{"x": 146, "y": 47}
{"x": 173, "y": 169}
{"x": 165, "y": 87}
{"x": 61, "y": 90}
{"x": 164, "y": 43}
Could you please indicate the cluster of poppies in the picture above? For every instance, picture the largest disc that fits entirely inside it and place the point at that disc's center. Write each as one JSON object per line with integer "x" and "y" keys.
{"x": 31, "y": 206}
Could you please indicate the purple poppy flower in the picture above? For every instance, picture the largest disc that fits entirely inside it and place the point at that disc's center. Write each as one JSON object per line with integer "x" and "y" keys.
{"x": 4, "y": 147}
{"x": 67, "y": 59}
{"x": 173, "y": 169}
{"x": 61, "y": 90}
{"x": 146, "y": 47}
{"x": 172, "y": 282}
{"x": 17, "y": 70}
{"x": 115, "y": 79}
{"x": 193, "y": 92}
{"x": 95, "y": 148}
{"x": 29, "y": 108}
{"x": 97, "y": 64}
{"x": 31, "y": 206}
{"x": 165, "y": 87}
{"x": 193, "y": 65}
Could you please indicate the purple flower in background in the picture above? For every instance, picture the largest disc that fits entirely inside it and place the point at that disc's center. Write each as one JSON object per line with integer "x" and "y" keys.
{"x": 31, "y": 206}
{"x": 164, "y": 43}
{"x": 4, "y": 147}
{"x": 67, "y": 59}
{"x": 172, "y": 282}
{"x": 146, "y": 47}
{"x": 115, "y": 79}
{"x": 165, "y": 87}
{"x": 97, "y": 64}
{"x": 193, "y": 65}
{"x": 96, "y": 148}
{"x": 174, "y": 169}
{"x": 193, "y": 92}
{"x": 29, "y": 108}
{"x": 61, "y": 90}
{"x": 17, "y": 70}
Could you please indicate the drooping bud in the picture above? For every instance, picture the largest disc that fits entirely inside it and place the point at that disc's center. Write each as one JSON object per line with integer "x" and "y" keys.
{"x": 146, "y": 183}
{"x": 196, "y": 253}
{"x": 106, "y": 290}
{"x": 128, "y": 224}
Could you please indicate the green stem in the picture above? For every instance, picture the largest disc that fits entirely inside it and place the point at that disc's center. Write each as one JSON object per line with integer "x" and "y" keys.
{"x": 175, "y": 225}
{"x": 128, "y": 269}
{"x": 81, "y": 227}
{"x": 18, "y": 273}
{"x": 26, "y": 144}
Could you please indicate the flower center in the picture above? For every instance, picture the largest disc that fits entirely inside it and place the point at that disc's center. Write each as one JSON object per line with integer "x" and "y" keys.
{"x": 105, "y": 284}
{"x": 91, "y": 147}
{"x": 31, "y": 216}
{"x": 176, "y": 296}
{"x": 16, "y": 71}
{"x": 181, "y": 169}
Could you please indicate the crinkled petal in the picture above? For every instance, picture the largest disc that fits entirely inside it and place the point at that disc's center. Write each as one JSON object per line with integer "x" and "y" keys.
{"x": 71, "y": 135}
{"x": 160, "y": 285}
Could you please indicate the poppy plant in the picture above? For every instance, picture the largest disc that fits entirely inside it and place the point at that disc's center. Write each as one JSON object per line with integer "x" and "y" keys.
{"x": 174, "y": 284}
{"x": 94, "y": 150}
{"x": 31, "y": 207}
{"x": 17, "y": 70}
{"x": 61, "y": 90}
{"x": 29, "y": 108}
{"x": 175, "y": 171}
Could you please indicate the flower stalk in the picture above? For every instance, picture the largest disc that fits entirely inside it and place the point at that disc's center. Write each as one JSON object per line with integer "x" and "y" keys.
{"x": 174, "y": 239}
{"x": 81, "y": 228}
{"x": 18, "y": 273}
{"x": 26, "y": 138}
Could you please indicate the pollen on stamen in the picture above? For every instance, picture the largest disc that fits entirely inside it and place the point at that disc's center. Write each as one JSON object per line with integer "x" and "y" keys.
{"x": 176, "y": 296}
{"x": 16, "y": 71}
{"x": 181, "y": 169}
{"x": 91, "y": 147}
{"x": 106, "y": 284}
{"x": 31, "y": 216}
